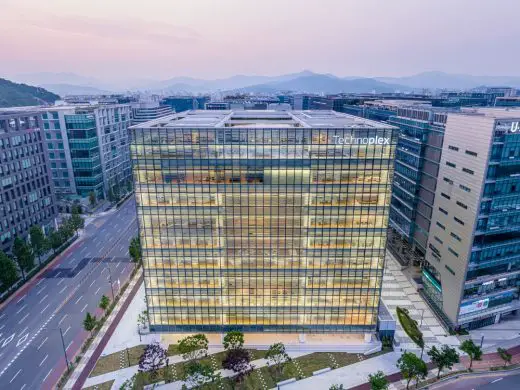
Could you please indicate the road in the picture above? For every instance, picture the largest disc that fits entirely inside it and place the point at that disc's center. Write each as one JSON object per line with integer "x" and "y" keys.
{"x": 491, "y": 381}
{"x": 31, "y": 350}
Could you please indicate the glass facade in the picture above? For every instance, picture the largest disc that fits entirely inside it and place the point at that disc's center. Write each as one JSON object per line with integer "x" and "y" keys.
{"x": 263, "y": 226}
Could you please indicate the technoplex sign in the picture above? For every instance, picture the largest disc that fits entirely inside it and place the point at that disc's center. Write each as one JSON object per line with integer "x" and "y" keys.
{"x": 361, "y": 140}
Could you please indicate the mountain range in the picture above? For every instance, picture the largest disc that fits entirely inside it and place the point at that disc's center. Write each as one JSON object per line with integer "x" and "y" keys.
{"x": 305, "y": 81}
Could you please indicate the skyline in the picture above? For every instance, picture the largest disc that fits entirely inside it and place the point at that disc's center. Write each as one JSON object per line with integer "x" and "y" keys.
{"x": 205, "y": 40}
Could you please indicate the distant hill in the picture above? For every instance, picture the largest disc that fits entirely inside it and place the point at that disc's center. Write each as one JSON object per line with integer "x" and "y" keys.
{"x": 16, "y": 95}
{"x": 318, "y": 83}
{"x": 71, "y": 89}
{"x": 440, "y": 80}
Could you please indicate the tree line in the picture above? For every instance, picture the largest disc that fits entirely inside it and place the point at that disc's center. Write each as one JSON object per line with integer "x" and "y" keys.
{"x": 24, "y": 252}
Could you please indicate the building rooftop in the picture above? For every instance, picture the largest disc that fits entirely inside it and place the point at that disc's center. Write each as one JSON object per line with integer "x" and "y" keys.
{"x": 262, "y": 119}
{"x": 493, "y": 112}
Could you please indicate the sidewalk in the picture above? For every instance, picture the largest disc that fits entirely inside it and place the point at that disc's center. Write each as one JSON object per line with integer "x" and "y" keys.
{"x": 89, "y": 358}
{"x": 398, "y": 291}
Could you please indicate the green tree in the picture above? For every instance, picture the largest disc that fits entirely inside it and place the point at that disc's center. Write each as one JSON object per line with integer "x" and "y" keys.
{"x": 8, "y": 273}
{"x": 39, "y": 243}
{"x": 23, "y": 255}
{"x": 142, "y": 318}
{"x": 411, "y": 367}
{"x": 77, "y": 209}
{"x": 378, "y": 381}
{"x": 506, "y": 356}
{"x": 135, "y": 250}
{"x": 76, "y": 222}
{"x": 89, "y": 323}
{"x": 193, "y": 347}
{"x": 277, "y": 357}
{"x": 199, "y": 373}
{"x": 66, "y": 230}
{"x": 445, "y": 357}
{"x": 473, "y": 351}
{"x": 336, "y": 387}
{"x": 92, "y": 198}
{"x": 233, "y": 339}
{"x": 104, "y": 303}
{"x": 55, "y": 240}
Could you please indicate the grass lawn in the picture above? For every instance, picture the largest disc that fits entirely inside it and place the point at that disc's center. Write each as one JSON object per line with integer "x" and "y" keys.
{"x": 307, "y": 363}
{"x": 112, "y": 362}
{"x": 101, "y": 386}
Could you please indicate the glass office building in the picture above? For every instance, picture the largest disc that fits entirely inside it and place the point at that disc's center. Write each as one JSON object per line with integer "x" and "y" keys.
{"x": 263, "y": 220}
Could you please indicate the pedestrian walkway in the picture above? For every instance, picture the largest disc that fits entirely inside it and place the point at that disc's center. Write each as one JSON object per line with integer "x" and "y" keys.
{"x": 398, "y": 291}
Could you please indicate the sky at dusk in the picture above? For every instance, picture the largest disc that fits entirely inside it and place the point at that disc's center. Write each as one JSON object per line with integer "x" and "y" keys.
{"x": 159, "y": 39}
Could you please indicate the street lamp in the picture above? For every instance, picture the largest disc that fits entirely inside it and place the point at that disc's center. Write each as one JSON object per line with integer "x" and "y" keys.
{"x": 64, "y": 350}
{"x": 110, "y": 281}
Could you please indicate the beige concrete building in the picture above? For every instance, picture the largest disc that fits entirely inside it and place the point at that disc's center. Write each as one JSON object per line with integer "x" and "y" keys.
{"x": 473, "y": 256}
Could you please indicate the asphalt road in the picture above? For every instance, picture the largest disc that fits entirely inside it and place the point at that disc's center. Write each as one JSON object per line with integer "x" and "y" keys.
{"x": 31, "y": 350}
{"x": 491, "y": 381}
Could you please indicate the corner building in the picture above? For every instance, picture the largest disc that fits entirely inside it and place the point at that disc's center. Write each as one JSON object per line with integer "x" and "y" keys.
{"x": 263, "y": 220}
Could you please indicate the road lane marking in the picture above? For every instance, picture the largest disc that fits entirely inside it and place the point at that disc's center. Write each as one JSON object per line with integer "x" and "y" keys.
{"x": 58, "y": 274}
{"x": 15, "y": 375}
{"x": 20, "y": 309}
{"x": 118, "y": 264}
{"x": 22, "y": 297}
{"x": 43, "y": 342}
{"x": 45, "y": 308}
{"x": 8, "y": 340}
{"x": 64, "y": 333}
{"x": 23, "y": 387}
{"x": 22, "y": 339}
{"x": 83, "y": 250}
{"x": 97, "y": 291}
{"x": 61, "y": 281}
{"x": 44, "y": 298}
{"x": 43, "y": 288}
{"x": 2, "y": 327}
{"x": 24, "y": 330}
{"x": 65, "y": 316}
{"x": 68, "y": 346}
{"x": 41, "y": 280}
{"x": 84, "y": 307}
{"x": 43, "y": 361}
{"x": 122, "y": 248}
{"x": 46, "y": 376}
{"x": 88, "y": 254}
{"x": 22, "y": 320}
{"x": 497, "y": 380}
{"x": 92, "y": 283}
{"x": 63, "y": 289}
{"x": 2, "y": 316}
{"x": 79, "y": 299}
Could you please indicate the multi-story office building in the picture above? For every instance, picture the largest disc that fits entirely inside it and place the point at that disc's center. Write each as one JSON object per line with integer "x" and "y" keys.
{"x": 417, "y": 160}
{"x": 263, "y": 220}
{"x": 509, "y": 101}
{"x": 472, "y": 268}
{"x": 26, "y": 190}
{"x": 219, "y": 105}
{"x": 88, "y": 147}
{"x": 147, "y": 111}
{"x": 184, "y": 103}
